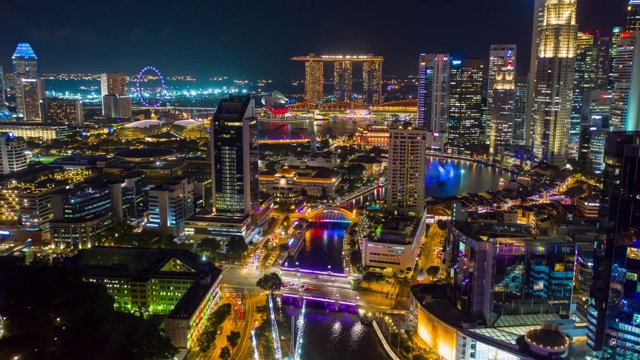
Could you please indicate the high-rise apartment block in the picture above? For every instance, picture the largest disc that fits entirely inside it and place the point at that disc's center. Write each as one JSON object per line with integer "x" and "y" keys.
{"x": 116, "y": 107}
{"x": 465, "y": 110}
{"x": 625, "y": 110}
{"x": 12, "y": 153}
{"x": 614, "y": 306}
{"x": 343, "y": 81}
{"x": 113, "y": 84}
{"x": 63, "y": 111}
{"x": 29, "y": 88}
{"x": 234, "y": 131}
{"x": 434, "y": 82}
{"x": 170, "y": 205}
{"x": 501, "y": 96}
{"x": 555, "y": 69}
{"x": 407, "y": 163}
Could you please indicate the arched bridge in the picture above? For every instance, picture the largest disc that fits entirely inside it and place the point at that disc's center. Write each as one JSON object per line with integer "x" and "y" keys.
{"x": 332, "y": 213}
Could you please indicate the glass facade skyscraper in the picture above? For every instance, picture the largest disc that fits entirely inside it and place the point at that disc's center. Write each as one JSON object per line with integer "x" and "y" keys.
{"x": 614, "y": 303}
{"x": 465, "y": 110}
{"x": 234, "y": 133}
{"x": 501, "y": 96}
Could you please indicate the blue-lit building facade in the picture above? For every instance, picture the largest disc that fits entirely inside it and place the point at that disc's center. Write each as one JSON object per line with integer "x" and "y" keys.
{"x": 614, "y": 304}
{"x": 78, "y": 215}
{"x": 501, "y": 269}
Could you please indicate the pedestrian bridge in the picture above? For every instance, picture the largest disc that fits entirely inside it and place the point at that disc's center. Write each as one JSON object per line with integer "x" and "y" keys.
{"x": 333, "y": 213}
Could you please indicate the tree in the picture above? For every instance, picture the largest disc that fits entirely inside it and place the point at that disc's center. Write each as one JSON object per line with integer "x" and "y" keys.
{"x": 233, "y": 338}
{"x": 356, "y": 258}
{"x": 236, "y": 245}
{"x": 442, "y": 224}
{"x": 285, "y": 221}
{"x": 369, "y": 277}
{"x": 221, "y": 314}
{"x": 380, "y": 278}
{"x": 207, "y": 338}
{"x": 52, "y": 313}
{"x": 433, "y": 271}
{"x": 208, "y": 246}
{"x": 270, "y": 282}
{"x": 225, "y": 353}
{"x": 284, "y": 247}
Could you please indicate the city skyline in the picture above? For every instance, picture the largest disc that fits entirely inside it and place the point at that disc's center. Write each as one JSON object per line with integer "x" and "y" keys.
{"x": 205, "y": 50}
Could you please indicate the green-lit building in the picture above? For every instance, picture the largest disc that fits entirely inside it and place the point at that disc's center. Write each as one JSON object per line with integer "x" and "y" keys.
{"x": 177, "y": 283}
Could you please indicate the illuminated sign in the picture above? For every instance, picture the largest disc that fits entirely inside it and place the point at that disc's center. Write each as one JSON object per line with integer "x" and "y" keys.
{"x": 456, "y": 62}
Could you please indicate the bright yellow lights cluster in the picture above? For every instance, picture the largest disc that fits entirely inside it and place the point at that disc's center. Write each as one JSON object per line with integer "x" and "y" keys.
{"x": 559, "y": 29}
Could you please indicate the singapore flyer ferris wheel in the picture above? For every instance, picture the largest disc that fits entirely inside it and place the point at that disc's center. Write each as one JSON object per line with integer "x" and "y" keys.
{"x": 150, "y": 96}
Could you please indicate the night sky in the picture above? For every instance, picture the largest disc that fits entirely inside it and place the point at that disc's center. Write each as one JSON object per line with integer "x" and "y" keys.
{"x": 254, "y": 38}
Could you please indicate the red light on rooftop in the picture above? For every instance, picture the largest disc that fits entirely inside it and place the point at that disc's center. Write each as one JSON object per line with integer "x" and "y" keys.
{"x": 625, "y": 35}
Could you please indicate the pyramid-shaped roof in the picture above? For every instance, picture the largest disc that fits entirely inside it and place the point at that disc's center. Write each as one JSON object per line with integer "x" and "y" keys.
{"x": 24, "y": 51}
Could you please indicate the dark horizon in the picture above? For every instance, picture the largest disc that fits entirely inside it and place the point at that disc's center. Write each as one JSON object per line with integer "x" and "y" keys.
{"x": 255, "y": 39}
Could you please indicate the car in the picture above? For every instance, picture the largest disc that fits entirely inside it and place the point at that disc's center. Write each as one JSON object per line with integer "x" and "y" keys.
{"x": 313, "y": 287}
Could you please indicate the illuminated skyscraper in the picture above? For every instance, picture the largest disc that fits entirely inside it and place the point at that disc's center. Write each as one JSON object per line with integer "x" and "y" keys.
{"x": 372, "y": 82}
{"x": 343, "y": 80}
{"x": 520, "y": 111}
{"x": 113, "y": 84}
{"x": 116, "y": 107}
{"x": 3, "y": 90}
{"x": 313, "y": 81}
{"x": 584, "y": 80}
{"x": 625, "y": 110}
{"x": 63, "y": 111}
{"x": 425, "y": 90}
{"x": 465, "y": 110}
{"x": 407, "y": 163}
{"x": 440, "y": 95}
{"x": 633, "y": 16}
{"x": 555, "y": 71}
{"x": 603, "y": 61}
{"x": 614, "y": 305}
{"x": 538, "y": 22}
{"x": 234, "y": 131}
{"x": 29, "y": 88}
{"x": 501, "y": 96}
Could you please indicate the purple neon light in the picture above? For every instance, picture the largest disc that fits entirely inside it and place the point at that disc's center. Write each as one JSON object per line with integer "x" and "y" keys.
{"x": 156, "y": 104}
{"x": 313, "y": 272}
{"x": 306, "y": 297}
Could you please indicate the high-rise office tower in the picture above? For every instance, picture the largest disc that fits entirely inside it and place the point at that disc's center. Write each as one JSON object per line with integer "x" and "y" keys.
{"x": 538, "y": 21}
{"x": 170, "y": 205}
{"x": 3, "y": 90}
{"x": 130, "y": 195}
{"x": 343, "y": 80}
{"x": 596, "y": 117}
{"x": 613, "y": 51}
{"x": 113, "y": 84}
{"x": 407, "y": 163}
{"x": 633, "y": 16}
{"x": 584, "y": 80}
{"x": 372, "y": 82}
{"x": 234, "y": 133}
{"x": 520, "y": 111}
{"x": 63, "y": 111}
{"x": 625, "y": 110}
{"x": 465, "y": 110}
{"x": 425, "y": 90}
{"x": 314, "y": 81}
{"x": 12, "y": 153}
{"x": 555, "y": 69}
{"x": 440, "y": 95}
{"x": 603, "y": 61}
{"x": 501, "y": 96}
{"x": 29, "y": 88}
{"x": 614, "y": 305}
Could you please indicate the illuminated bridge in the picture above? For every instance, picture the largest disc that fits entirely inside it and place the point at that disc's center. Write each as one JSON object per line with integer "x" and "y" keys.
{"x": 333, "y": 213}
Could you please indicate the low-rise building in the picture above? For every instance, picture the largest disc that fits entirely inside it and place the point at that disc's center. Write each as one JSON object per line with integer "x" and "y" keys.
{"x": 12, "y": 153}
{"x": 291, "y": 182}
{"x": 176, "y": 283}
{"x": 397, "y": 245}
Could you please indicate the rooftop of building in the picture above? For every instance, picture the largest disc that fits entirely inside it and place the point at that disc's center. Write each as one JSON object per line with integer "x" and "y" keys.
{"x": 145, "y": 153}
{"x": 547, "y": 338}
{"x": 143, "y": 124}
{"x": 142, "y": 264}
{"x": 24, "y": 51}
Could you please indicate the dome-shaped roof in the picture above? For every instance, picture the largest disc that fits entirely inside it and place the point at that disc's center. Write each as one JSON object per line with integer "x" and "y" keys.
{"x": 285, "y": 171}
{"x": 186, "y": 123}
{"x": 143, "y": 124}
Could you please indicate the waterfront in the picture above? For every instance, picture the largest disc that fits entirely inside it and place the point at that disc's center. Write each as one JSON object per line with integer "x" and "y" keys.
{"x": 322, "y": 247}
{"x": 337, "y": 335}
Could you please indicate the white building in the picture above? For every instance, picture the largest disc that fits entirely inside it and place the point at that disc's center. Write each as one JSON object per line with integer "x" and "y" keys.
{"x": 398, "y": 244}
{"x": 407, "y": 162}
{"x": 170, "y": 205}
{"x": 12, "y": 153}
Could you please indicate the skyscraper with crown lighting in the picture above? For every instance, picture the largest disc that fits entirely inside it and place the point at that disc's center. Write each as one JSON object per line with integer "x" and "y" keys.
{"x": 29, "y": 87}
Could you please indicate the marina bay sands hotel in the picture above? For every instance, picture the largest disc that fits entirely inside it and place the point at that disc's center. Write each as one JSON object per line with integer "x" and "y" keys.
{"x": 342, "y": 77}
